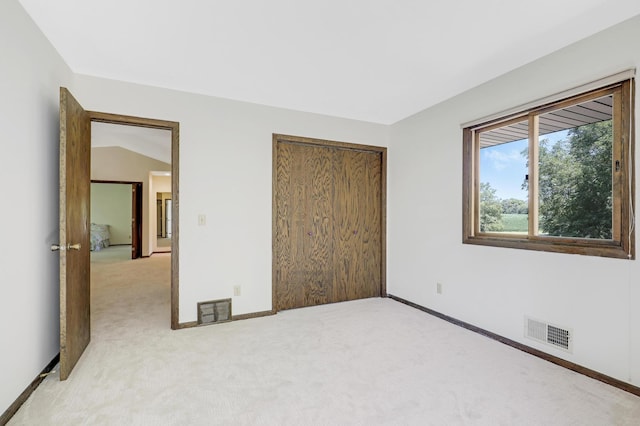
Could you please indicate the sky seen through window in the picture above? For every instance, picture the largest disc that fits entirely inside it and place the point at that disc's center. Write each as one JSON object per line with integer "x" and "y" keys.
{"x": 504, "y": 167}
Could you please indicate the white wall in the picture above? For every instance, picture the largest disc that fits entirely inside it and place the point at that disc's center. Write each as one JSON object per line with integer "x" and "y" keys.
{"x": 494, "y": 288}
{"x": 30, "y": 76}
{"x": 225, "y": 174}
{"x": 111, "y": 205}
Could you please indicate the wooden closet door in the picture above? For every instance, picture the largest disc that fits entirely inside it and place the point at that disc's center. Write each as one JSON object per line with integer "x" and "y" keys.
{"x": 304, "y": 227}
{"x": 357, "y": 221}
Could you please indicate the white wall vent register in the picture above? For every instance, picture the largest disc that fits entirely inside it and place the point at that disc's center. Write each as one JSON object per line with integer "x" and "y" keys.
{"x": 214, "y": 311}
{"x": 549, "y": 334}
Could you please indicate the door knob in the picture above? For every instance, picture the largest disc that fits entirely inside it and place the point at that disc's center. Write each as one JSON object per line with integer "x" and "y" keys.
{"x": 56, "y": 247}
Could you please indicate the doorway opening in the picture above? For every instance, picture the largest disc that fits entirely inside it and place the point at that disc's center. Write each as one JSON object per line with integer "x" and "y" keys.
{"x": 148, "y": 236}
{"x": 116, "y": 215}
{"x": 161, "y": 192}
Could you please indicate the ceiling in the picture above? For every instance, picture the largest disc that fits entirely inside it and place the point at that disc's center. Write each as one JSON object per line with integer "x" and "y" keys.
{"x": 371, "y": 60}
{"x": 153, "y": 143}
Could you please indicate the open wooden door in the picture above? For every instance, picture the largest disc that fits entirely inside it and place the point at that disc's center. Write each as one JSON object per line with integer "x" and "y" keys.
{"x": 75, "y": 169}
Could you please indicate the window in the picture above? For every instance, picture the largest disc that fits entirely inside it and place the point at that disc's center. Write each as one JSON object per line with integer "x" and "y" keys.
{"x": 554, "y": 177}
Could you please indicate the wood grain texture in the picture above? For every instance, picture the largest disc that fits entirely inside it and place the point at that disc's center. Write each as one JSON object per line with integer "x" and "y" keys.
{"x": 383, "y": 223}
{"x": 129, "y": 120}
{"x": 175, "y": 224}
{"x": 305, "y": 237}
{"x": 75, "y": 190}
{"x": 534, "y": 179}
{"x": 356, "y": 212}
{"x": 627, "y": 155}
{"x": 253, "y": 315}
{"x": 283, "y": 266}
{"x": 328, "y": 222}
{"x": 189, "y": 324}
{"x": 467, "y": 185}
{"x": 622, "y": 245}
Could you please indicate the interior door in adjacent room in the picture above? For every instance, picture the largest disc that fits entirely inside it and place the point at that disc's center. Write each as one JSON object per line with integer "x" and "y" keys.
{"x": 328, "y": 222}
{"x": 136, "y": 220}
{"x": 75, "y": 167}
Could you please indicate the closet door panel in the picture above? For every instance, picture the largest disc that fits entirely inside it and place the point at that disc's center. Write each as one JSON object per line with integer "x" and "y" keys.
{"x": 318, "y": 282}
{"x": 304, "y": 230}
{"x": 371, "y": 235}
{"x": 282, "y": 240}
{"x": 357, "y": 219}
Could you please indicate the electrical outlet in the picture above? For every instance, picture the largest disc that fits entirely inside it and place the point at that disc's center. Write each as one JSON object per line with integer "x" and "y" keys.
{"x": 439, "y": 288}
{"x": 237, "y": 291}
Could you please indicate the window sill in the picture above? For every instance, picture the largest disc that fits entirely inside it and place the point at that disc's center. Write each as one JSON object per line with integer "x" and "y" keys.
{"x": 612, "y": 249}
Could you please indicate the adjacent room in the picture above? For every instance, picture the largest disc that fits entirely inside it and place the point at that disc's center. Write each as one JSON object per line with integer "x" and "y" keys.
{"x": 277, "y": 213}
{"x": 130, "y": 197}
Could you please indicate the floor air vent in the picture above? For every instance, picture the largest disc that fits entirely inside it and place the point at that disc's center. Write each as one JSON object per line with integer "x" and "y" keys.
{"x": 549, "y": 334}
{"x": 214, "y": 311}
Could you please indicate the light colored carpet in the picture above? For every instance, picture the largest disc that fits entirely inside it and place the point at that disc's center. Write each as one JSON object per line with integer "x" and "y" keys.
{"x": 111, "y": 254}
{"x": 368, "y": 362}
